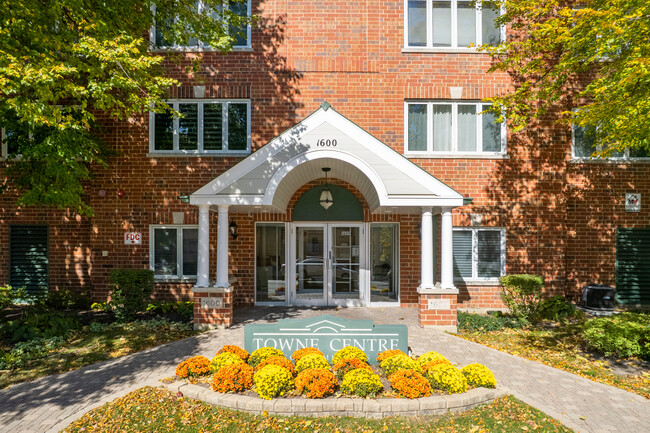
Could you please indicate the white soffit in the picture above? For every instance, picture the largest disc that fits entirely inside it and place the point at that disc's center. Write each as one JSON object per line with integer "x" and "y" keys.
{"x": 270, "y": 176}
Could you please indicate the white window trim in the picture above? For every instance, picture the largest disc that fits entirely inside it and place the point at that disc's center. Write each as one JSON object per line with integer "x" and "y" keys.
{"x": 430, "y": 153}
{"x": 429, "y": 48}
{"x": 4, "y": 149}
{"x": 174, "y": 103}
{"x": 179, "y": 251}
{"x": 609, "y": 160}
{"x": 475, "y": 279}
{"x": 200, "y": 44}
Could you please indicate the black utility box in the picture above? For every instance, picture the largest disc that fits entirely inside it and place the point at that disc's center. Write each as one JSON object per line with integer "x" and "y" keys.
{"x": 598, "y": 297}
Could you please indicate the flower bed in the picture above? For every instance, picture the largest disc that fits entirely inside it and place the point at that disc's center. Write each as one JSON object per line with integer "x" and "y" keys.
{"x": 271, "y": 374}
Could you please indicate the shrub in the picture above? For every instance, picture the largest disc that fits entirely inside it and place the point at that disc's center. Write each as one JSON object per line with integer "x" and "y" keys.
{"x": 37, "y": 324}
{"x": 349, "y": 352}
{"x": 66, "y": 299}
{"x": 316, "y": 382}
{"x": 261, "y": 354}
{"x": 447, "y": 378}
{"x": 6, "y": 298}
{"x": 26, "y": 351}
{"x": 223, "y": 359}
{"x": 312, "y": 360}
{"x": 409, "y": 384}
{"x": 298, "y": 354}
{"x": 428, "y": 357}
{"x": 182, "y": 308}
{"x": 362, "y": 383}
{"x": 388, "y": 353}
{"x": 556, "y": 308}
{"x": 398, "y": 362}
{"x": 348, "y": 364}
{"x": 193, "y": 367}
{"x": 478, "y": 375}
{"x": 273, "y": 381}
{"x": 130, "y": 289}
{"x": 233, "y": 378}
{"x": 521, "y": 293}
{"x": 470, "y": 322}
{"x": 235, "y": 350}
{"x": 9, "y": 295}
{"x": 623, "y": 335}
{"x": 280, "y": 361}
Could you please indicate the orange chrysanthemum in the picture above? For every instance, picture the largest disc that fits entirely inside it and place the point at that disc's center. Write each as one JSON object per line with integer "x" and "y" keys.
{"x": 349, "y": 364}
{"x": 233, "y": 378}
{"x": 316, "y": 382}
{"x": 280, "y": 361}
{"x": 387, "y": 354}
{"x": 193, "y": 367}
{"x": 236, "y": 350}
{"x": 410, "y": 384}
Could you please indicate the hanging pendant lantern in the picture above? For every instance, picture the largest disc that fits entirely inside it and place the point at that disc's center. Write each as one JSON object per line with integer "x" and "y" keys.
{"x": 326, "y": 199}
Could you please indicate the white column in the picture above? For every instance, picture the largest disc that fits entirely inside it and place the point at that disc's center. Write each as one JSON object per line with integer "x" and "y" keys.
{"x": 446, "y": 250}
{"x": 222, "y": 247}
{"x": 203, "y": 265}
{"x": 426, "y": 235}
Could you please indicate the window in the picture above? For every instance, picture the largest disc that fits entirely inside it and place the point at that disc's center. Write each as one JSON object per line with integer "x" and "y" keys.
{"x": 242, "y": 34}
{"x": 174, "y": 251}
{"x": 384, "y": 266}
{"x": 206, "y": 126}
{"x": 584, "y": 145}
{"x": 12, "y": 137}
{"x": 452, "y": 128}
{"x": 15, "y": 135}
{"x": 451, "y": 24}
{"x": 270, "y": 284}
{"x": 479, "y": 253}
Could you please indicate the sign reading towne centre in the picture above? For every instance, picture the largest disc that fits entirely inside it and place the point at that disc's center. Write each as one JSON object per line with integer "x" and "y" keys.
{"x": 327, "y": 333}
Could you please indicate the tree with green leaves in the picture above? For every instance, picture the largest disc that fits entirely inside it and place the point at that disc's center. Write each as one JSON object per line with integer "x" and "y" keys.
{"x": 63, "y": 63}
{"x": 587, "y": 59}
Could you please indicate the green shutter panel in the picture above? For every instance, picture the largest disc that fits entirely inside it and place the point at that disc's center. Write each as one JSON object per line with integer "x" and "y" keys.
{"x": 633, "y": 266}
{"x": 28, "y": 257}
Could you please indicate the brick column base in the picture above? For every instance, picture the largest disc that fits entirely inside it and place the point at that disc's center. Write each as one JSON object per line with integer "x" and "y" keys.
{"x": 437, "y": 308}
{"x": 212, "y": 307}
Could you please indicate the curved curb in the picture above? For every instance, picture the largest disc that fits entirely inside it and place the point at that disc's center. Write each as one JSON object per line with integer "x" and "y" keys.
{"x": 343, "y": 406}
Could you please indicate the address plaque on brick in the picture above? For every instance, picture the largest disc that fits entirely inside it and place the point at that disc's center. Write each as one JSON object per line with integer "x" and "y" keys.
{"x": 210, "y": 303}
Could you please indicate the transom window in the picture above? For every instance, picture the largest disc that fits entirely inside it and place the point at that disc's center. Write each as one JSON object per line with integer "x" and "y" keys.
{"x": 206, "y": 126}
{"x": 173, "y": 251}
{"x": 452, "y": 128}
{"x": 242, "y": 34}
{"x": 451, "y": 24}
{"x": 584, "y": 145}
{"x": 479, "y": 253}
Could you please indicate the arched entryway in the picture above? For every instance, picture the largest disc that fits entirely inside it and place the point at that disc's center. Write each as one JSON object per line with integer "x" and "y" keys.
{"x": 330, "y": 257}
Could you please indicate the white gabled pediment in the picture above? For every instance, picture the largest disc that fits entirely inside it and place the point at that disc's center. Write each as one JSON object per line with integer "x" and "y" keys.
{"x": 270, "y": 176}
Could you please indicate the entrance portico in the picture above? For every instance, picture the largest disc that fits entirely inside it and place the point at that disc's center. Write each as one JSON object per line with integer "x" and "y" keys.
{"x": 325, "y": 254}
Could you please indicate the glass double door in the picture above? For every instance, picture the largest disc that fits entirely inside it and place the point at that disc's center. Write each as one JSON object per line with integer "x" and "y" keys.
{"x": 328, "y": 261}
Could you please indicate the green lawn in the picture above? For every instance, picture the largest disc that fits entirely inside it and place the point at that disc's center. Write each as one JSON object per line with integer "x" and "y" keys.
{"x": 561, "y": 347}
{"x": 95, "y": 343}
{"x": 158, "y": 410}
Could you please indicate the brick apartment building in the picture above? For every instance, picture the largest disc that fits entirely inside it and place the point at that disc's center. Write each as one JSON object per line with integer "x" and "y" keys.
{"x": 338, "y": 157}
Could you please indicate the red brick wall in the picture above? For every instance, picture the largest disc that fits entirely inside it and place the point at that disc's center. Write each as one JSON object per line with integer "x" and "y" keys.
{"x": 560, "y": 217}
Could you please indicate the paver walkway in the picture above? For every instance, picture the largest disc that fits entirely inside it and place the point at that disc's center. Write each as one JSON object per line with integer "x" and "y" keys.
{"x": 52, "y": 403}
